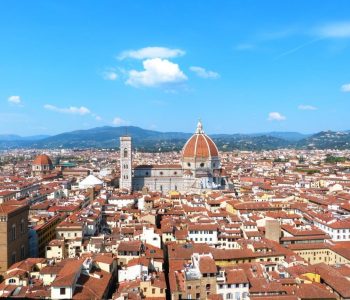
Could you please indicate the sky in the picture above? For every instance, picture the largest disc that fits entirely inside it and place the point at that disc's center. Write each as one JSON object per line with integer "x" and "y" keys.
{"x": 240, "y": 66}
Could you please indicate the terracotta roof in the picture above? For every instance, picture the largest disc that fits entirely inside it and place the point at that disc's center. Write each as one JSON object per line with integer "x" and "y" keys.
{"x": 42, "y": 159}
{"x": 200, "y": 145}
{"x": 207, "y": 265}
{"x": 236, "y": 276}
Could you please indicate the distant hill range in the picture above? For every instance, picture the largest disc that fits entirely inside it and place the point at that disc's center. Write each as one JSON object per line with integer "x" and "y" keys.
{"x": 150, "y": 140}
{"x": 14, "y": 137}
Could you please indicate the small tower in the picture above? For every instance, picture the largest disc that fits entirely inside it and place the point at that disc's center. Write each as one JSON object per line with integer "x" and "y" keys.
{"x": 125, "y": 163}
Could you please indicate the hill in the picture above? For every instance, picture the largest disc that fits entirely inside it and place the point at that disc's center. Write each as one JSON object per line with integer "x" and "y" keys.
{"x": 150, "y": 140}
{"x": 326, "y": 140}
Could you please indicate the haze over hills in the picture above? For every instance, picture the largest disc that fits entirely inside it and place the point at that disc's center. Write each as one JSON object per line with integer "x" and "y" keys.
{"x": 143, "y": 139}
{"x": 15, "y": 137}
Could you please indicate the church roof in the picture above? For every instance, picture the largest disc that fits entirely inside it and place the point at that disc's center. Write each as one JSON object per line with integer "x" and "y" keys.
{"x": 200, "y": 145}
{"x": 42, "y": 159}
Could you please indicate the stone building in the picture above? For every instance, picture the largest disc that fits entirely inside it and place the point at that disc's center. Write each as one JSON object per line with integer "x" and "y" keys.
{"x": 42, "y": 165}
{"x": 199, "y": 168}
{"x": 13, "y": 234}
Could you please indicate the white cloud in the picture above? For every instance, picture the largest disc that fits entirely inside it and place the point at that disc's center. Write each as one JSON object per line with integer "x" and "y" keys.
{"x": 151, "y": 52}
{"x": 307, "y": 107}
{"x": 97, "y": 117}
{"x": 203, "y": 73}
{"x": 110, "y": 75}
{"x": 118, "y": 121}
{"x": 334, "y": 30}
{"x": 345, "y": 88}
{"x": 156, "y": 72}
{"x": 276, "y": 116}
{"x": 14, "y": 99}
{"x": 82, "y": 110}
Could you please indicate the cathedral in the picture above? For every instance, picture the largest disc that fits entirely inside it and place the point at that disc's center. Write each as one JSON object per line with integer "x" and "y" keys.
{"x": 199, "y": 169}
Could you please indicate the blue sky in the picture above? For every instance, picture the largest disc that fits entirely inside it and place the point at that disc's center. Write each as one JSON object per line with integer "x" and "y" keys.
{"x": 240, "y": 66}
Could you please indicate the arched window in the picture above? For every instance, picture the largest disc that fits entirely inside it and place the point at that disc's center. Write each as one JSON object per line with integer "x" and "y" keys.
{"x": 13, "y": 232}
{"x": 125, "y": 152}
{"x": 229, "y": 296}
{"x": 23, "y": 253}
{"x": 22, "y": 226}
{"x": 12, "y": 280}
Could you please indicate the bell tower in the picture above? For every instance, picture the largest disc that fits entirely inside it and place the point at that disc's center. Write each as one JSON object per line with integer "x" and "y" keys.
{"x": 125, "y": 163}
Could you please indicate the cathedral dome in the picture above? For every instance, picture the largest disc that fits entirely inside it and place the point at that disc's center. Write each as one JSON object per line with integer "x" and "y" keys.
{"x": 200, "y": 145}
{"x": 42, "y": 160}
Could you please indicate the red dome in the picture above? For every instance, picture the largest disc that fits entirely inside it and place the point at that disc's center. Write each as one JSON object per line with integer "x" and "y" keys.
{"x": 200, "y": 146}
{"x": 42, "y": 159}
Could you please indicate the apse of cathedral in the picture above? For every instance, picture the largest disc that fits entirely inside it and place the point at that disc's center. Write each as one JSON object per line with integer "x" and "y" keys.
{"x": 198, "y": 170}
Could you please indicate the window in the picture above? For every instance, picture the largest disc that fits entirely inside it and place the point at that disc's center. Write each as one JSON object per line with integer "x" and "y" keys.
{"x": 12, "y": 280}
{"x": 229, "y": 296}
{"x": 62, "y": 291}
{"x": 202, "y": 165}
{"x": 153, "y": 291}
{"x": 125, "y": 152}
{"x": 22, "y": 252}
{"x": 22, "y": 226}
{"x": 188, "y": 164}
{"x": 13, "y": 257}
{"x": 13, "y": 232}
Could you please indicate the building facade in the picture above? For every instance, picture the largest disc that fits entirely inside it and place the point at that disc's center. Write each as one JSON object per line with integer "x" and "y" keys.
{"x": 13, "y": 234}
{"x": 125, "y": 163}
{"x": 42, "y": 165}
{"x": 199, "y": 168}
